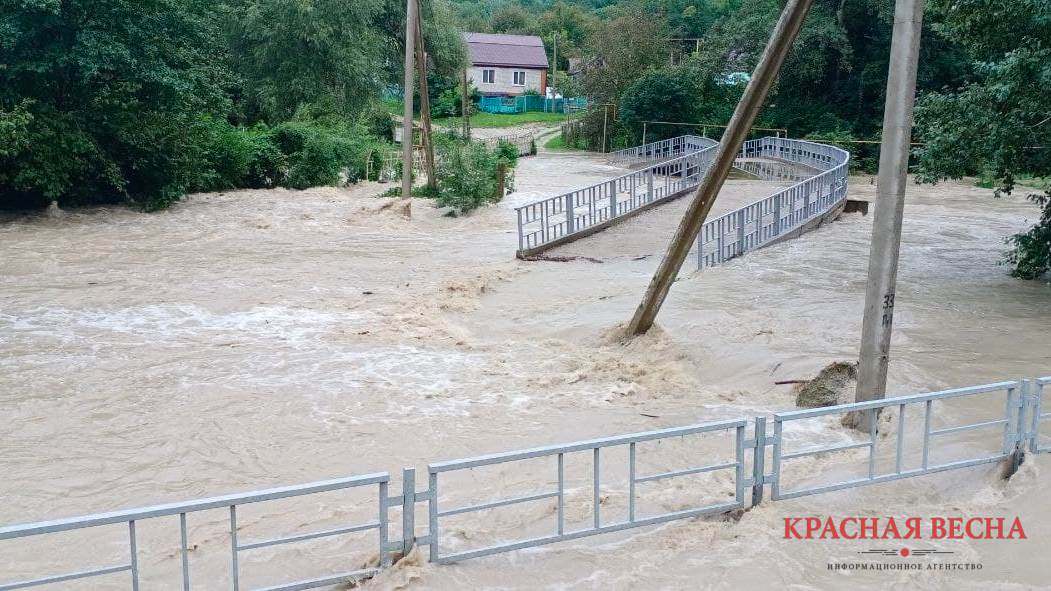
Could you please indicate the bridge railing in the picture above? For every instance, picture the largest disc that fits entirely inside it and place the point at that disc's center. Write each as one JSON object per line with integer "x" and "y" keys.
{"x": 752, "y": 226}
{"x": 1013, "y": 425}
{"x": 555, "y": 218}
{"x": 660, "y": 150}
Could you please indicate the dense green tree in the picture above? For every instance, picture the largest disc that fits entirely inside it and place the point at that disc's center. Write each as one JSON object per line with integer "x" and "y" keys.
{"x": 663, "y": 95}
{"x": 101, "y": 99}
{"x": 294, "y": 54}
{"x": 999, "y": 124}
{"x": 512, "y": 19}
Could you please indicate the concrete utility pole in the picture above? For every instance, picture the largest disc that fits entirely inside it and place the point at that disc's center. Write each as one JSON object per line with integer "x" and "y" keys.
{"x": 762, "y": 79}
{"x": 554, "y": 74}
{"x": 890, "y": 204}
{"x": 406, "y": 126}
{"x": 425, "y": 100}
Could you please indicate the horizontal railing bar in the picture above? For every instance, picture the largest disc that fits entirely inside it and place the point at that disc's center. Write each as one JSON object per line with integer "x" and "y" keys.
{"x": 811, "y": 452}
{"x": 686, "y": 472}
{"x": 853, "y": 406}
{"x": 583, "y": 445}
{"x": 310, "y": 536}
{"x": 97, "y": 519}
{"x": 325, "y": 581}
{"x": 890, "y": 477}
{"x": 968, "y": 427}
{"x": 500, "y": 503}
{"x": 723, "y": 508}
{"x": 67, "y": 577}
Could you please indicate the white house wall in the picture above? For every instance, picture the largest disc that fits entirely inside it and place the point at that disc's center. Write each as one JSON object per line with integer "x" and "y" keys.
{"x": 504, "y": 82}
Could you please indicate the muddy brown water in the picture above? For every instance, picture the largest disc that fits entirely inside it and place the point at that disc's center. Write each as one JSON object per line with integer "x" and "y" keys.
{"x": 261, "y": 338}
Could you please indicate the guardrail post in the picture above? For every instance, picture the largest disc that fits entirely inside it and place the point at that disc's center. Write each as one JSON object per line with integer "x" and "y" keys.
{"x": 649, "y": 186}
{"x": 570, "y": 222}
{"x": 408, "y": 510}
{"x": 1035, "y": 399}
{"x": 521, "y": 244}
{"x": 612, "y": 199}
{"x": 740, "y": 231}
{"x": 759, "y": 461}
{"x": 1018, "y": 437}
{"x": 777, "y": 214}
{"x": 700, "y": 250}
{"x": 432, "y": 515}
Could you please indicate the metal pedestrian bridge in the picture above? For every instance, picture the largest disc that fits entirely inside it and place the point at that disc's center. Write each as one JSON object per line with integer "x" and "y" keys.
{"x": 674, "y": 167}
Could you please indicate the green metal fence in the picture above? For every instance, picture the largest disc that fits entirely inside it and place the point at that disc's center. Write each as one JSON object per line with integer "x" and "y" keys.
{"x": 529, "y": 104}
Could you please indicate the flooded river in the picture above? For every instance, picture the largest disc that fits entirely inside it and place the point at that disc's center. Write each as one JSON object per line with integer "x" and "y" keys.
{"x": 262, "y": 338}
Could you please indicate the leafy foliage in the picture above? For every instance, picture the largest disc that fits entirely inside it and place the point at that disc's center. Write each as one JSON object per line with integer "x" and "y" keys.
{"x": 102, "y": 98}
{"x": 993, "y": 125}
{"x": 467, "y": 172}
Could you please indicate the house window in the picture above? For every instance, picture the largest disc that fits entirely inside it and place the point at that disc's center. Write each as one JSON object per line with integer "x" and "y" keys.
{"x": 519, "y": 78}
{"x": 488, "y": 76}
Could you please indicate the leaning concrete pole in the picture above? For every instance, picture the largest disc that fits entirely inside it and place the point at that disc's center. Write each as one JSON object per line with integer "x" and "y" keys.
{"x": 762, "y": 79}
{"x": 890, "y": 203}
{"x": 406, "y": 126}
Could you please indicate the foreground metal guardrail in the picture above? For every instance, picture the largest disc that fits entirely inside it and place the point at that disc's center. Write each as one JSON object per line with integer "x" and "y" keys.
{"x": 1018, "y": 427}
{"x": 1010, "y": 422}
{"x": 230, "y": 502}
{"x": 770, "y": 218}
{"x": 595, "y": 446}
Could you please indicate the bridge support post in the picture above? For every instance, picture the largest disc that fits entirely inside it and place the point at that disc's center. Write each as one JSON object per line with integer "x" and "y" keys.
{"x": 777, "y": 48}
{"x": 890, "y": 204}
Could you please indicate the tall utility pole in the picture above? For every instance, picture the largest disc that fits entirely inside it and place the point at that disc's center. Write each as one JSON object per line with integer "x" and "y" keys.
{"x": 425, "y": 100}
{"x": 406, "y": 126}
{"x": 890, "y": 204}
{"x": 762, "y": 79}
{"x": 554, "y": 73}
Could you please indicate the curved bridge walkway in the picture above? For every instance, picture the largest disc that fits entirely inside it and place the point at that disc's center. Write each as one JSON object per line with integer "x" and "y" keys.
{"x": 676, "y": 167}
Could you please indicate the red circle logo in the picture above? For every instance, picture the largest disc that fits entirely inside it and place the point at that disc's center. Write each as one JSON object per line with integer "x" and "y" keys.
{"x": 904, "y": 552}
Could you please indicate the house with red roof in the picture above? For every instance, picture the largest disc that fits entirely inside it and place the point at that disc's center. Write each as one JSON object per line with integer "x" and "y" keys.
{"x": 506, "y": 65}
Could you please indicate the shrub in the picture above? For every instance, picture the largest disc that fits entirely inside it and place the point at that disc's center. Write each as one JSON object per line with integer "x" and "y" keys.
{"x": 467, "y": 172}
{"x": 321, "y": 155}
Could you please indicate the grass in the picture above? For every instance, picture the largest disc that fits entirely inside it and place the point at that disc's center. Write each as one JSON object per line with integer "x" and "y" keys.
{"x": 557, "y": 144}
{"x": 488, "y": 120}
